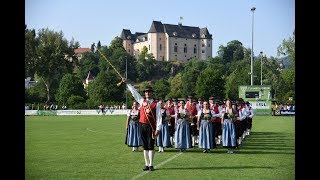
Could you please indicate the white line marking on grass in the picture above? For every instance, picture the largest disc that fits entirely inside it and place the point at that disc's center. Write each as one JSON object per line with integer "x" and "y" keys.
{"x": 91, "y": 130}
{"x": 156, "y": 167}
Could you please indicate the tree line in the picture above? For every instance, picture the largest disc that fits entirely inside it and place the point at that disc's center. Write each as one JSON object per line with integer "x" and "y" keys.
{"x": 51, "y": 61}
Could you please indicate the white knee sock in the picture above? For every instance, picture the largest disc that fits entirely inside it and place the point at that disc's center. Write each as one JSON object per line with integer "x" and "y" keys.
{"x": 151, "y": 156}
{"x": 146, "y": 157}
{"x": 193, "y": 141}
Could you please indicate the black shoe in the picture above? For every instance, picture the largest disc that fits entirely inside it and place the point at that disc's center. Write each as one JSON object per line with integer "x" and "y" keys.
{"x": 151, "y": 168}
{"x": 146, "y": 168}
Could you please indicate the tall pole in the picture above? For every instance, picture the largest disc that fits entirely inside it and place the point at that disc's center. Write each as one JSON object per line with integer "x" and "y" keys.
{"x": 126, "y": 86}
{"x": 252, "y": 9}
{"x": 261, "y": 53}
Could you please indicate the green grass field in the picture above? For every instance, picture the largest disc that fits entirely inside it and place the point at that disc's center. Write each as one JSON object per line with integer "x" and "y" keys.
{"x": 92, "y": 147}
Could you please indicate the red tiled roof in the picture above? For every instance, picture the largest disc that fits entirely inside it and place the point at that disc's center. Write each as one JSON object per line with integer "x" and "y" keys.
{"x": 82, "y": 50}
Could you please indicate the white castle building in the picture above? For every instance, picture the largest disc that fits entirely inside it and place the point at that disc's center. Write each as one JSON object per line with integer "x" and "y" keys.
{"x": 169, "y": 42}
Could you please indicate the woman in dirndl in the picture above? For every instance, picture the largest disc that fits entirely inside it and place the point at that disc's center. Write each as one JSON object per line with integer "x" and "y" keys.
{"x": 133, "y": 126}
{"x": 182, "y": 137}
{"x": 163, "y": 139}
{"x": 229, "y": 138}
{"x": 205, "y": 127}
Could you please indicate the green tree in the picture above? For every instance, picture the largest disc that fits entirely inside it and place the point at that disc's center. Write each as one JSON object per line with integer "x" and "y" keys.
{"x": 209, "y": 83}
{"x": 51, "y": 59}
{"x": 175, "y": 86}
{"x": 104, "y": 88}
{"x": 89, "y": 62}
{"x": 31, "y": 44}
{"x": 190, "y": 74}
{"x": 70, "y": 85}
{"x": 238, "y": 77}
{"x": 234, "y": 51}
{"x": 162, "y": 88}
{"x": 288, "y": 47}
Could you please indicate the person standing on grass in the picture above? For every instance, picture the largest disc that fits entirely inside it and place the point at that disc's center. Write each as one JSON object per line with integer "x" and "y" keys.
{"x": 229, "y": 138}
{"x": 205, "y": 127}
{"x": 171, "y": 108}
{"x": 151, "y": 122}
{"x": 182, "y": 138}
{"x": 133, "y": 126}
{"x": 250, "y": 114}
{"x": 163, "y": 139}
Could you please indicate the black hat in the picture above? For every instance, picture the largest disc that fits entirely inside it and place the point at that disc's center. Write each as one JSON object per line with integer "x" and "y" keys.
{"x": 169, "y": 99}
{"x": 247, "y": 102}
{"x": 148, "y": 88}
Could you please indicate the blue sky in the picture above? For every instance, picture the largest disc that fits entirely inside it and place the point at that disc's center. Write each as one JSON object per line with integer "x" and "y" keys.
{"x": 100, "y": 20}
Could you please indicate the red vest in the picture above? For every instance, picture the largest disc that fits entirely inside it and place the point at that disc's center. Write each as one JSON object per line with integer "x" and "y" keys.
{"x": 192, "y": 110}
{"x": 170, "y": 109}
{"x": 216, "y": 110}
{"x": 148, "y": 113}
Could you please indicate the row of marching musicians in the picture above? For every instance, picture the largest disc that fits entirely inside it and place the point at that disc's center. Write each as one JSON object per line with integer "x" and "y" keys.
{"x": 203, "y": 124}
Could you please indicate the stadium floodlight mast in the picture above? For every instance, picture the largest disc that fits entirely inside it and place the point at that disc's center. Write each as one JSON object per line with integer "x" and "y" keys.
{"x": 251, "y": 73}
{"x": 261, "y": 53}
{"x": 126, "y": 86}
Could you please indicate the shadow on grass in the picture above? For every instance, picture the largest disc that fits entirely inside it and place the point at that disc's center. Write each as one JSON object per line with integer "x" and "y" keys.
{"x": 215, "y": 168}
{"x": 255, "y": 143}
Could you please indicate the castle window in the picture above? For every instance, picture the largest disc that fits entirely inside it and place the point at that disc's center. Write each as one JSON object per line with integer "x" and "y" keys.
{"x": 149, "y": 47}
{"x": 195, "y": 50}
{"x": 159, "y": 38}
{"x": 185, "y": 48}
{"x": 160, "y": 47}
{"x": 175, "y": 33}
{"x": 129, "y": 37}
{"x": 202, "y": 45}
{"x": 194, "y": 35}
{"x": 203, "y": 51}
{"x": 208, "y": 45}
{"x": 203, "y": 35}
{"x": 175, "y": 49}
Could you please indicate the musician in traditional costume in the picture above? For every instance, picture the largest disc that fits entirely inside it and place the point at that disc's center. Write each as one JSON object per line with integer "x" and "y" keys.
{"x": 163, "y": 139}
{"x": 191, "y": 106}
{"x": 229, "y": 137}
{"x": 133, "y": 126}
{"x": 250, "y": 114}
{"x": 205, "y": 127}
{"x": 170, "y": 107}
{"x": 217, "y": 108}
{"x": 182, "y": 138}
{"x": 151, "y": 122}
{"x": 241, "y": 120}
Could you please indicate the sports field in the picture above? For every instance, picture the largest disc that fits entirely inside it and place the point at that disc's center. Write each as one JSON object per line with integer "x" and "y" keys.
{"x": 92, "y": 147}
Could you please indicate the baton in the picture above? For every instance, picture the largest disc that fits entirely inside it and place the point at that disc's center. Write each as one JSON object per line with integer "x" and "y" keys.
{"x": 119, "y": 83}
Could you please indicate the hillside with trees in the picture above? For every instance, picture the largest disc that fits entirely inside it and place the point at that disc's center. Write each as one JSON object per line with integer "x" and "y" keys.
{"x": 50, "y": 60}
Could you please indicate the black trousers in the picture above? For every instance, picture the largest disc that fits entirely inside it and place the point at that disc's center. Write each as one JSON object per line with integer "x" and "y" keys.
{"x": 171, "y": 128}
{"x": 249, "y": 123}
{"x": 146, "y": 136}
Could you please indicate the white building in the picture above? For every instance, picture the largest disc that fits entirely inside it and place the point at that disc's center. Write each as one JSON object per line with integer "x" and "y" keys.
{"x": 169, "y": 42}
